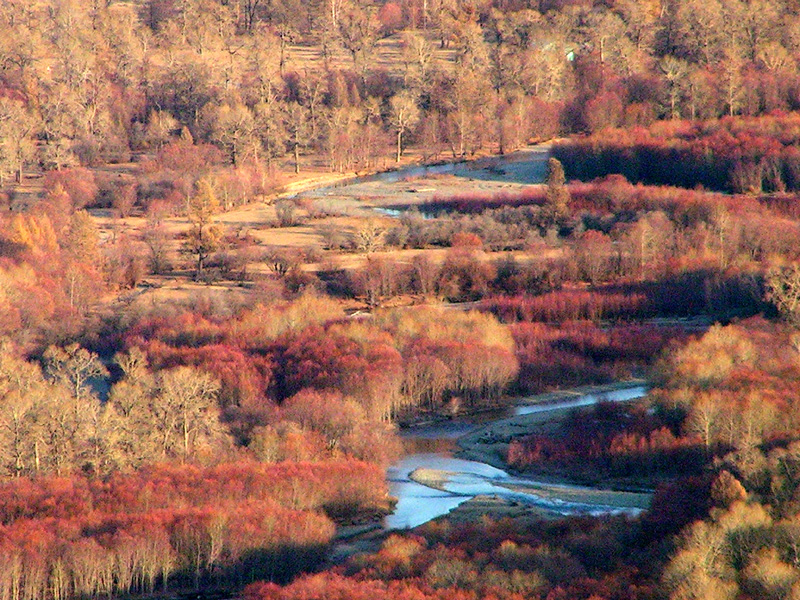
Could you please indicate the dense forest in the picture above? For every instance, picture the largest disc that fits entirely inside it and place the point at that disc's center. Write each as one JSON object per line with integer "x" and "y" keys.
{"x": 352, "y": 83}
{"x": 203, "y": 371}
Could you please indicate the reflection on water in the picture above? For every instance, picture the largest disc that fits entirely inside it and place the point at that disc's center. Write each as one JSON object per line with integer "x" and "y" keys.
{"x": 464, "y": 479}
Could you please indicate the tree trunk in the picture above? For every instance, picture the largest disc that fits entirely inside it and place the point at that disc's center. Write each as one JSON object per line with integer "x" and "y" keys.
{"x": 282, "y": 61}
{"x": 399, "y": 143}
{"x": 200, "y": 253}
{"x": 185, "y": 438}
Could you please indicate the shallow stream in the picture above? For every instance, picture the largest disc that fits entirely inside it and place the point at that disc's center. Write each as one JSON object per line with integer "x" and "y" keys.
{"x": 450, "y": 481}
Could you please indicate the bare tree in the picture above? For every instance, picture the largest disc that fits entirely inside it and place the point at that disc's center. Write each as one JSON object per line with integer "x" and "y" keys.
{"x": 234, "y": 128}
{"x": 280, "y": 260}
{"x": 286, "y": 212}
{"x": 185, "y": 410}
{"x": 270, "y": 127}
{"x": 297, "y": 126}
{"x": 675, "y": 71}
{"x": 705, "y": 416}
{"x": 74, "y": 367}
{"x": 157, "y": 240}
{"x": 21, "y": 389}
{"x": 405, "y": 114}
{"x": 368, "y": 236}
{"x": 469, "y": 101}
{"x": 18, "y": 126}
{"x": 358, "y": 31}
{"x": 249, "y": 11}
{"x": 418, "y": 59}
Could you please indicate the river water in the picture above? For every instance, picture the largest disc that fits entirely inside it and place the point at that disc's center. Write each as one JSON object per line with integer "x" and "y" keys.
{"x": 524, "y": 166}
{"x": 460, "y": 480}
{"x": 390, "y": 193}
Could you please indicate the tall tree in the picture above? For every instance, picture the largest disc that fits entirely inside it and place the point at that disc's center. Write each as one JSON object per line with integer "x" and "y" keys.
{"x": 204, "y": 236}
{"x": 405, "y": 115}
{"x": 675, "y": 71}
{"x": 185, "y": 410}
{"x": 22, "y": 388}
{"x": 557, "y": 203}
{"x": 74, "y": 367}
{"x": 298, "y": 127}
{"x": 233, "y": 128}
{"x": 18, "y": 126}
{"x": 358, "y": 32}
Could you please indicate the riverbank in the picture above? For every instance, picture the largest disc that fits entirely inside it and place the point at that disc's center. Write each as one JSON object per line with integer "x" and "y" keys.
{"x": 489, "y": 443}
{"x": 525, "y": 515}
{"x": 549, "y": 491}
{"x": 489, "y": 412}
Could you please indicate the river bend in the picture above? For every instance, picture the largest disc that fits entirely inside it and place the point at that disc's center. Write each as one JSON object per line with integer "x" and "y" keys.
{"x": 450, "y": 481}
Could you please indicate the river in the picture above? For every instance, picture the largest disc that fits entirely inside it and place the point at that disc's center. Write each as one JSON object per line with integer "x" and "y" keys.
{"x": 451, "y": 481}
{"x": 528, "y": 165}
{"x": 392, "y": 192}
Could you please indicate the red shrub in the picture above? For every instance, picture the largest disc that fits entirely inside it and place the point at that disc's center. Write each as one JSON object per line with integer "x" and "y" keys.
{"x": 78, "y": 183}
